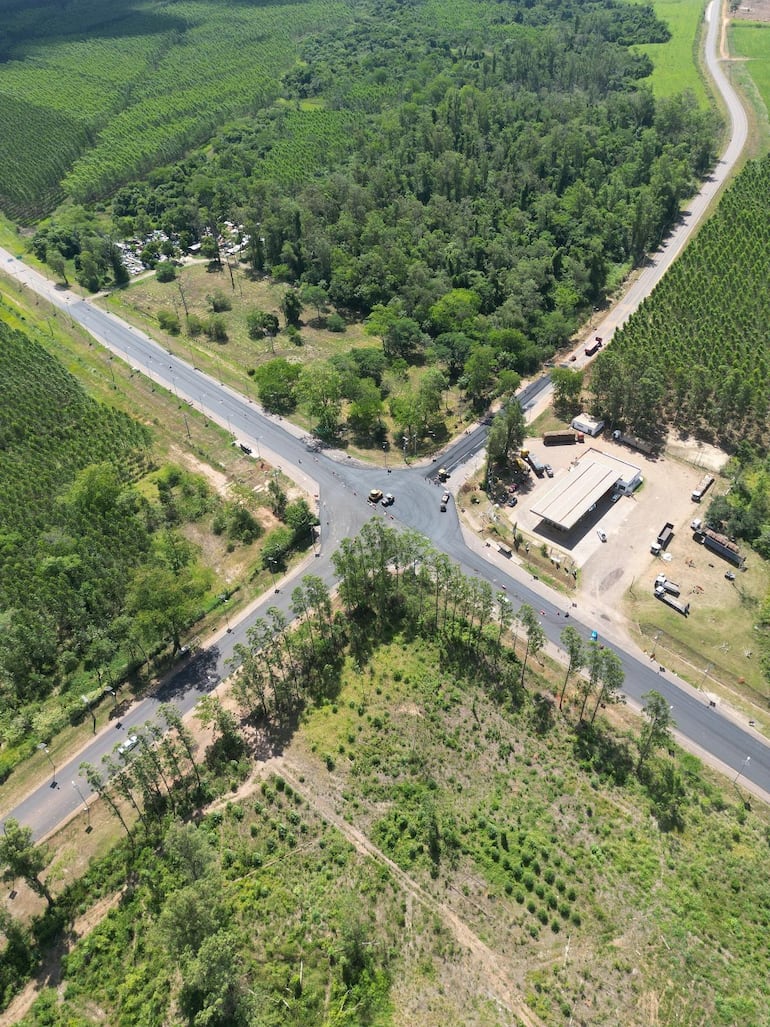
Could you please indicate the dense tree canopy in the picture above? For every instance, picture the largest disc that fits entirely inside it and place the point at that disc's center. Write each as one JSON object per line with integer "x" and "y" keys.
{"x": 487, "y": 172}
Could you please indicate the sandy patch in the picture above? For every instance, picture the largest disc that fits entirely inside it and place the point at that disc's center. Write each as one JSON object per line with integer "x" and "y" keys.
{"x": 215, "y": 478}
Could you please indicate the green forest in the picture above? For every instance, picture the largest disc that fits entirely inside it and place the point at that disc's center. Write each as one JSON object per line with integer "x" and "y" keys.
{"x": 493, "y": 790}
{"x": 413, "y": 150}
{"x": 695, "y": 355}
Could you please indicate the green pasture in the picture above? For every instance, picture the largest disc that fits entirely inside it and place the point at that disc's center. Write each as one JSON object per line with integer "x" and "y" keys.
{"x": 752, "y": 40}
{"x": 676, "y": 65}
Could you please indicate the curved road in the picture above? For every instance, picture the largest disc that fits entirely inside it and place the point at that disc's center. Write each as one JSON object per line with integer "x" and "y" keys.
{"x": 341, "y": 488}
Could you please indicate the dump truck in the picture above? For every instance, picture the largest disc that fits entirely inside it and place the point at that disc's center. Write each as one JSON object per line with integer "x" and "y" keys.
{"x": 675, "y": 604}
{"x": 633, "y": 442}
{"x": 669, "y": 586}
{"x": 563, "y": 438}
{"x": 593, "y": 347}
{"x": 721, "y": 545}
{"x": 665, "y": 534}
{"x": 703, "y": 486}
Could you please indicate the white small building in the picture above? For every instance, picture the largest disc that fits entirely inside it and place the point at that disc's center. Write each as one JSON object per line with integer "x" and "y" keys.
{"x": 587, "y": 425}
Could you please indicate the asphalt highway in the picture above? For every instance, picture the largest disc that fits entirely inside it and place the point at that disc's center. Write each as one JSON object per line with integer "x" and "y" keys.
{"x": 340, "y": 487}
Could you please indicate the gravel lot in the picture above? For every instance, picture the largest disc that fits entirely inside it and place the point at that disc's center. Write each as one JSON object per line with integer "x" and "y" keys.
{"x": 631, "y": 524}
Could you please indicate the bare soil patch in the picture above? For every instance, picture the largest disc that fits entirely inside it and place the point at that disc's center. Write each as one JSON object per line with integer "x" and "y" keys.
{"x": 754, "y": 10}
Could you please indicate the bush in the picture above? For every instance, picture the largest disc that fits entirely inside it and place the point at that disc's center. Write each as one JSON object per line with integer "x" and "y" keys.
{"x": 165, "y": 271}
{"x": 168, "y": 321}
{"x": 216, "y": 329}
{"x": 219, "y": 301}
{"x": 335, "y": 323}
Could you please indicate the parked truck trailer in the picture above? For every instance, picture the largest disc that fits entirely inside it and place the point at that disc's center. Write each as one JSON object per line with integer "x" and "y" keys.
{"x": 669, "y": 586}
{"x": 563, "y": 438}
{"x": 721, "y": 545}
{"x": 675, "y": 604}
{"x": 633, "y": 442}
{"x": 703, "y": 486}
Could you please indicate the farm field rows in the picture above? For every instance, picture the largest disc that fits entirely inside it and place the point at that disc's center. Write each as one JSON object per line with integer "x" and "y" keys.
{"x": 700, "y": 340}
{"x": 148, "y": 82}
{"x": 538, "y": 836}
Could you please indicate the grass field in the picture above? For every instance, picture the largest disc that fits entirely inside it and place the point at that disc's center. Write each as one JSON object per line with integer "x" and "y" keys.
{"x": 717, "y": 642}
{"x": 231, "y": 360}
{"x": 676, "y": 62}
{"x": 752, "y": 40}
{"x": 537, "y": 849}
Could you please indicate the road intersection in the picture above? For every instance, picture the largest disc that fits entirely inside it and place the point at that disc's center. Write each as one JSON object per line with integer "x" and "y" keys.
{"x": 341, "y": 487}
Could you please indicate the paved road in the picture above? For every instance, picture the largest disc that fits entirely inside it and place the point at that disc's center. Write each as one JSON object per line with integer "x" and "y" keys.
{"x": 341, "y": 488}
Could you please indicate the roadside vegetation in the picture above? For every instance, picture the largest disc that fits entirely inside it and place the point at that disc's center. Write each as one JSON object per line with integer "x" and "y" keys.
{"x": 541, "y": 852}
{"x": 106, "y": 557}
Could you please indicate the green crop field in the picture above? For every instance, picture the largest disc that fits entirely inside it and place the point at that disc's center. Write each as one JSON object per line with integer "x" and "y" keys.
{"x": 675, "y": 62}
{"x": 49, "y": 430}
{"x": 700, "y": 341}
{"x": 752, "y": 40}
{"x": 106, "y": 92}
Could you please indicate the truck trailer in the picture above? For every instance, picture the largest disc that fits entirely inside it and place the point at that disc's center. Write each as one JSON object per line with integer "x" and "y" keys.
{"x": 562, "y": 438}
{"x": 593, "y": 347}
{"x": 535, "y": 464}
{"x": 665, "y": 534}
{"x": 633, "y": 442}
{"x": 675, "y": 604}
{"x": 721, "y": 545}
{"x": 703, "y": 486}
{"x": 668, "y": 586}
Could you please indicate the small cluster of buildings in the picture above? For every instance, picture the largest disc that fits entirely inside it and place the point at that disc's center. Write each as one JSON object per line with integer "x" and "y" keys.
{"x": 590, "y": 478}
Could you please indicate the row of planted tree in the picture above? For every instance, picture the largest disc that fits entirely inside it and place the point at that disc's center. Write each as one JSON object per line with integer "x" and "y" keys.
{"x": 390, "y": 583}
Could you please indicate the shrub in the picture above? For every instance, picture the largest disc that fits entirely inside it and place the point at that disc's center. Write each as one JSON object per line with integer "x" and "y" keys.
{"x": 165, "y": 271}
{"x": 219, "y": 302}
{"x": 168, "y": 321}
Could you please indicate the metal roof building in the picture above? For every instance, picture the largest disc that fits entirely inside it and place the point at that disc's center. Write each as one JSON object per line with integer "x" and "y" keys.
{"x": 574, "y": 495}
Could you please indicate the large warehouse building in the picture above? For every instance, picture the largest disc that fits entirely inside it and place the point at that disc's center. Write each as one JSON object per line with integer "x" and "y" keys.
{"x": 589, "y": 480}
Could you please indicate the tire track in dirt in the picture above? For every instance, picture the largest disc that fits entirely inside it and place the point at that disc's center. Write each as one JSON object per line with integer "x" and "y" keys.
{"x": 501, "y": 987}
{"x": 48, "y": 974}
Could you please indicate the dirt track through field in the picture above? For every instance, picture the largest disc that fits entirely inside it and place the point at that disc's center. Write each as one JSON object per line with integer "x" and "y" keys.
{"x": 49, "y": 973}
{"x": 501, "y": 988}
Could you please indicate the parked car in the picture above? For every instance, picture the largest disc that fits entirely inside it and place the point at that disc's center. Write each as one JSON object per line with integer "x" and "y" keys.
{"x": 602, "y": 536}
{"x": 128, "y": 745}
{"x": 443, "y": 507}
{"x": 445, "y": 498}
{"x": 549, "y": 470}
{"x": 512, "y": 501}
{"x": 388, "y": 500}
{"x": 594, "y": 636}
